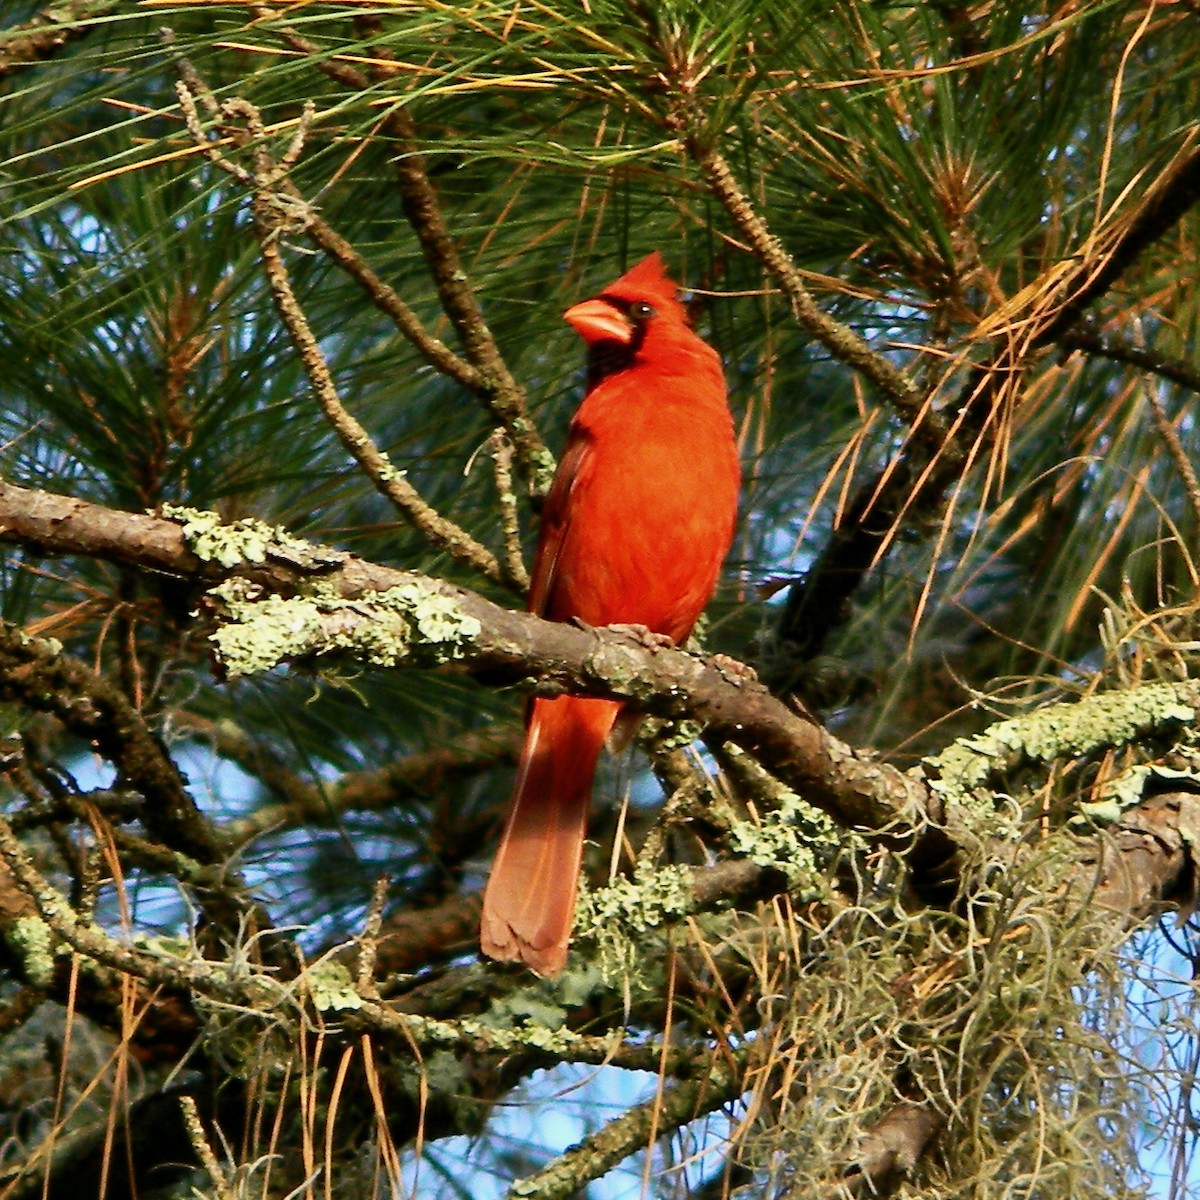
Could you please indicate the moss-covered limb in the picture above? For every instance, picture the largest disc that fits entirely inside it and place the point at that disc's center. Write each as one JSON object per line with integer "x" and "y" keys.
{"x": 617, "y": 922}
{"x": 1066, "y": 730}
{"x": 551, "y": 1040}
{"x": 637, "y": 1128}
{"x": 1147, "y": 862}
{"x": 851, "y": 786}
{"x": 889, "y": 1151}
{"x": 407, "y": 622}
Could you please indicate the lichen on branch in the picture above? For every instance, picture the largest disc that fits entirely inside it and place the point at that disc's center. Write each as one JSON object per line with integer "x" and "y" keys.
{"x": 1058, "y": 730}
{"x": 380, "y": 628}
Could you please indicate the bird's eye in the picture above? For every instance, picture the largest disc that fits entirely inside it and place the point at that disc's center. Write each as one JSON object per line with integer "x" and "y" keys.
{"x": 639, "y": 310}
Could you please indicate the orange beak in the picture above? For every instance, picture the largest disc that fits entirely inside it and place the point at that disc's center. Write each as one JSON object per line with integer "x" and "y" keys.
{"x": 598, "y": 321}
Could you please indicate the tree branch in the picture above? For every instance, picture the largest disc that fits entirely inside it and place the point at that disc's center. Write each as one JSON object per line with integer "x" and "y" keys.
{"x": 48, "y": 32}
{"x": 1088, "y": 339}
{"x": 916, "y": 485}
{"x": 503, "y": 396}
{"x": 272, "y": 218}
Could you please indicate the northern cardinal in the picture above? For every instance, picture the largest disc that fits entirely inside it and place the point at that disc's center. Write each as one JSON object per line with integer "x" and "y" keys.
{"x": 636, "y": 525}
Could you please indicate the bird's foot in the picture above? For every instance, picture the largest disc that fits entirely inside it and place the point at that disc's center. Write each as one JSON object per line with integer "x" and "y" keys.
{"x": 645, "y": 635}
{"x": 734, "y": 668}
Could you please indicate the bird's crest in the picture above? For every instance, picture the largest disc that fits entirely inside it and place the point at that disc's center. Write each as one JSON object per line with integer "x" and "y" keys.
{"x": 648, "y": 280}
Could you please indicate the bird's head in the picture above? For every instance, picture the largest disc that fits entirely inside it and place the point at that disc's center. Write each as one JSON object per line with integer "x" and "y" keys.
{"x": 622, "y": 312}
{"x": 618, "y": 322}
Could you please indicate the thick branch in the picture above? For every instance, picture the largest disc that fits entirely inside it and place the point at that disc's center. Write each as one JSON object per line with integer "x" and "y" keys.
{"x": 515, "y": 646}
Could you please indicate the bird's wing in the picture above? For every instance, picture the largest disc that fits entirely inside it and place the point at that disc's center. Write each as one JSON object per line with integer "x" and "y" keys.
{"x": 556, "y": 522}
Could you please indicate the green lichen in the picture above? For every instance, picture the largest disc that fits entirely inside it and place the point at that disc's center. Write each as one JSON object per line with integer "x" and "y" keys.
{"x": 1128, "y": 789}
{"x": 677, "y": 735}
{"x": 523, "y": 1020}
{"x": 261, "y": 634}
{"x": 32, "y": 943}
{"x": 234, "y": 543}
{"x": 331, "y": 987}
{"x": 380, "y": 628}
{"x": 544, "y": 467}
{"x": 787, "y": 838}
{"x": 621, "y": 917}
{"x": 438, "y": 619}
{"x": 1058, "y": 730}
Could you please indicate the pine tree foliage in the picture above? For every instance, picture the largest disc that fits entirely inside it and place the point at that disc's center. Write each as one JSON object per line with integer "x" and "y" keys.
{"x": 304, "y": 264}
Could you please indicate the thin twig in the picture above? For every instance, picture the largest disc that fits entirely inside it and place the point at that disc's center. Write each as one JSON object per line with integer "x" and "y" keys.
{"x": 204, "y": 1152}
{"x": 1177, "y": 370}
{"x": 840, "y": 339}
{"x": 276, "y": 213}
{"x": 1183, "y": 462}
{"x": 496, "y": 386}
{"x": 502, "y": 457}
{"x": 671, "y": 1108}
{"x": 368, "y": 944}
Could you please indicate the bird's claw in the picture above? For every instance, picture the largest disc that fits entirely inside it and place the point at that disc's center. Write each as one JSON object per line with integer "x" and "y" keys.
{"x": 734, "y": 668}
{"x": 645, "y": 635}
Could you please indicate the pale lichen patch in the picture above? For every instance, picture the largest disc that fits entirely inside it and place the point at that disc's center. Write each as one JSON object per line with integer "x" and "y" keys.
{"x": 1129, "y": 788}
{"x": 618, "y": 917}
{"x": 32, "y": 943}
{"x": 380, "y": 628}
{"x": 331, "y": 987}
{"x": 1058, "y": 730}
{"x": 234, "y": 543}
{"x": 786, "y": 839}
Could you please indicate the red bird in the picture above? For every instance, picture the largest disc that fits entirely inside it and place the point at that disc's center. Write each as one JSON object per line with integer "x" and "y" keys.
{"x": 635, "y": 528}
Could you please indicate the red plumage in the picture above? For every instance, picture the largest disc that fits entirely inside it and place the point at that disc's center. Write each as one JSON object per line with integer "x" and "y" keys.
{"x": 634, "y": 531}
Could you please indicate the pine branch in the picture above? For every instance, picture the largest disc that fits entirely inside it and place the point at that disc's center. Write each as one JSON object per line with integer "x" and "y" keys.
{"x": 53, "y": 28}
{"x": 915, "y": 488}
{"x": 275, "y": 214}
{"x": 517, "y": 646}
{"x": 495, "y": 384}
{"x": 1086, "y": 338}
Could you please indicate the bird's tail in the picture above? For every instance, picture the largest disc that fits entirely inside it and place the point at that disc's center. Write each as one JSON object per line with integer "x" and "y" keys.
{"x": 529, "y": 903}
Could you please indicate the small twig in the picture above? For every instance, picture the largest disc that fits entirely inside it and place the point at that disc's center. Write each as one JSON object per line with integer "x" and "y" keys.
{"x": 673, "y": 1107}
{"x": 326, "y": 238}
{"x": 1183, "y": 462}
{"x": 276, "y": 213}
{"x": 841, "y": 340}
{"x": 35, "y": 674}
{"x": 502, "y": 456}
{"x": 368, "y": 944}
{"x": 495, "y": 385}
{"x": 90, "y": 940}
{"x": 1177, "y": 370}
{"x": 384, "y": 297}
{"x": 204, "y": 1152}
